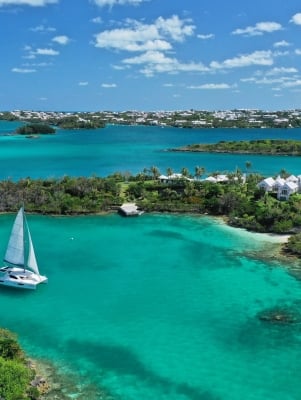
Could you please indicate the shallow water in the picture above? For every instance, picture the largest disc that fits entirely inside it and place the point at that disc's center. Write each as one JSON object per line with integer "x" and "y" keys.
{"x": 158, "y": 307}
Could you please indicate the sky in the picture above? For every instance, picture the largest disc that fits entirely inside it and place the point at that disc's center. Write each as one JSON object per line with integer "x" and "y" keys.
{"x": 151, "y": 55}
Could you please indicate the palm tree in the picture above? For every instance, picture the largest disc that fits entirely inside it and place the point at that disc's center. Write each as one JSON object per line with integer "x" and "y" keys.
{"x": 248, "y": 165}
{"x": 169, "y": 172}
{"x": 199, "y": 171}
{"x": 155, "y": 171}
{"x": 185, "y": 172}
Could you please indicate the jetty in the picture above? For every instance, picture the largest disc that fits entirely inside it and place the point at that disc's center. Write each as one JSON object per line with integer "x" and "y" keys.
{"x": 130, "y": 210}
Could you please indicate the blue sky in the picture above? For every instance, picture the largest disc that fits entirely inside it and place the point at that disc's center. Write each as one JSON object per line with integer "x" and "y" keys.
{"x": 90, "y": 55}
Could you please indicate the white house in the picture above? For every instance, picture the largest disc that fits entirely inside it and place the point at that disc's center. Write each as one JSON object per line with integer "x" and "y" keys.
{"x": 211, "y": 179}
{"x": 279, "y": 182}
{"x": 292, "y": 178}
{"x": 171, "y": 178}
{"x": 286, "y": 190}
{"x": 267, "y": 184}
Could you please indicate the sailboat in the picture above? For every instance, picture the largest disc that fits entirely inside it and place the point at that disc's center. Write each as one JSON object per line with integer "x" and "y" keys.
{"x": 21, "y": 268}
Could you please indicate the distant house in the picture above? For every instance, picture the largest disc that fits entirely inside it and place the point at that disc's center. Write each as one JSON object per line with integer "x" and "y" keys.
{"x": 171, "y": 178}
{"x": 222, "y": 178}
{"x": 211, "y": 179}
{"x": 267, "y": 184}
{"x": 286, "y": 190}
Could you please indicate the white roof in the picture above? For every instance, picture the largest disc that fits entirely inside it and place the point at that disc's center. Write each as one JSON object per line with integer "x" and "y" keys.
{"x": 292, "y": 178}
{"x": 211, "y": 179}
{"x": 290, "y": 185}
{"x": 222, "y": 178}
{"x": 269, "y": 181}
{"x": 280, "y": 180}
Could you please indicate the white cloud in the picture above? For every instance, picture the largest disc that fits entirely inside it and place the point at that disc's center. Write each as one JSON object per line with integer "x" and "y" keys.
{"x": 158, "y": 62}
{"x": 296, "y": 19}
{"x": 24, "y": 70}
{"x": 111, "y": 3}
{"x": 281, "y": 70}
{"x": 108, "y": 85}
{"x": 146, "y": 37}
{"x": 259, "y": 29}
{"x": 46, "y": 52}
{"x": 279, "y": 53}
{"x": 211, "y": 86}
{"x": 298, "y": 52}
{"x": 205, "y": 37}
{"x": 63, "y": 39}
{"x": 292, "y": 84}
{"x": 41, "y": 64}
{"x": 96, "y": 20}
{"x": 34, "y": 3}
{"x": 84, "y": 83}
{"x": 282, "y": 43}
{"x": 174, "y": 27}
{"x": 245, "y": 60}
{"x": 43, "y": 28}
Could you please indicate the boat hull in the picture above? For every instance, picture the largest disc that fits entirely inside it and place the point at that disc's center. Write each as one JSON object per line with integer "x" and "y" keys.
{"x": 20, "y": 278}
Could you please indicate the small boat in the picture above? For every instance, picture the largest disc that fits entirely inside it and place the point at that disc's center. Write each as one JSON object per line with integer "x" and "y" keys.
{"x": 21, "y": 268}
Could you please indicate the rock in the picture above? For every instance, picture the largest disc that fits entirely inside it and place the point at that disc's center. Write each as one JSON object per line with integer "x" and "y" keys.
{"x": 279, "y": 316}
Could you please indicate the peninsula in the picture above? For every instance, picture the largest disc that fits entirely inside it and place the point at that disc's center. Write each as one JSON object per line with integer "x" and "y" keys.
{"x": 264, "y": 146}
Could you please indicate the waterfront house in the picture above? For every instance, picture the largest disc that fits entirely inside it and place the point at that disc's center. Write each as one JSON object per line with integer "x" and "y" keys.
{"x": 172, "y": 178}
{"x": 286, "y": 190}
{"x": 267, "y": 184}
{"x": 279, "y": 182}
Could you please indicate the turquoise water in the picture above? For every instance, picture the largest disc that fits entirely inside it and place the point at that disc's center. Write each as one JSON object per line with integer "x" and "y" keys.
{"x": 158, "y": 307}
{"x": 131, "y": 149}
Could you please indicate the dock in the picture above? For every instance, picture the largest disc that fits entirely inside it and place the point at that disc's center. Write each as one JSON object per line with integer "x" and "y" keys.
{"x": 130, "y": 210}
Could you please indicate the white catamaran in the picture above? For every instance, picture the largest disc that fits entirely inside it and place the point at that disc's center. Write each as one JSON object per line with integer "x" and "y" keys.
{"x": 21, "y": 268}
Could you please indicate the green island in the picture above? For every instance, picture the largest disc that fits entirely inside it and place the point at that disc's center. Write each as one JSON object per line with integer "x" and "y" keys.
{"x": 262, "y": 146}
{"x": 240, "y": 202}
{"x": 34, "y": 129}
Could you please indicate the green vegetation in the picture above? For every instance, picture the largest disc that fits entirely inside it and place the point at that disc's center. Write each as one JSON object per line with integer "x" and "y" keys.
{"x": 242, "y": 204}
{"x": 15, "y": 375}
{"x": 76, "y": 122}
{"x": 293, "y": 245}
{"x": 263, "y": 146}
{"x": 35, "y": 129}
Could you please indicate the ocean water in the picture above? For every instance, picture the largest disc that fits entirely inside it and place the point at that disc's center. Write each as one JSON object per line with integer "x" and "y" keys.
{"x": 158, "y": 307}
{"x": 131, "y": 149}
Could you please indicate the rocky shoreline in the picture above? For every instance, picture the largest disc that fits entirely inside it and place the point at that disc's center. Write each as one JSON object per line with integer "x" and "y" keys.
{"x": 55, "y": 384}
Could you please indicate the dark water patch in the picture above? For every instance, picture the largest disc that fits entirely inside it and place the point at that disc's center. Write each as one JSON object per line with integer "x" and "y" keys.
{"x": 122, "y": 361}
{"x": 166, "y": 234}
{"x": 280, "y": 315}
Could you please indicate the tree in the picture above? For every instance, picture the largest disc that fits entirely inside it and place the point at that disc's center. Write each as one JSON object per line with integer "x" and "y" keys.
{"x": 185, "y": 172}
{"x": 169, "y": 172}
{"x": 199, "y": 171}
{"x": 248, "y": 165}
{"x": 155, "y": 171}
